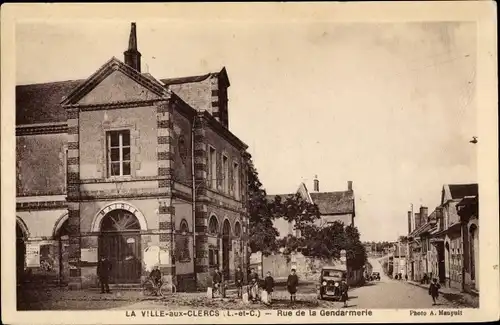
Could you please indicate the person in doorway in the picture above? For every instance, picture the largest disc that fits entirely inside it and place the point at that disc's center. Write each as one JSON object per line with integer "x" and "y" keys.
{"x": 269, "y": 286}
{"x": 155, "y": 276}
{"x": 434, "y": 291}
{"x": 238, "y": 278}
{"x": 344, "y": 288}
{"x": 291, "y": 284}
{"x": 103, "y": 272}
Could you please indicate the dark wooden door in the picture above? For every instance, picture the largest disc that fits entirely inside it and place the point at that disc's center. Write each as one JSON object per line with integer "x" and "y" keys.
{"x": 124, "y": 252}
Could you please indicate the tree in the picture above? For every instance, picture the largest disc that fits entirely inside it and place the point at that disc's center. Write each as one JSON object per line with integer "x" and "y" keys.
{"x": 315, "y": 240}
{"x": 261, "y": 230}
{"x": 295, "y": 208}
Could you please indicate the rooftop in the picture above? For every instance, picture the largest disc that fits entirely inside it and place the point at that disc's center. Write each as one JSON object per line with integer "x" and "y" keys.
{"x": 41, "y": 103}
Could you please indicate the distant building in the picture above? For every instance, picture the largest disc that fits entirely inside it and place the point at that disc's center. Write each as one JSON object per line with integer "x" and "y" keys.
{"x": 333, "y": 206}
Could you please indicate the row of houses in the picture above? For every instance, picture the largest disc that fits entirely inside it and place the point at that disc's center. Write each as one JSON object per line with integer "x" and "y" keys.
{"x": 445, "y": 243}
{"x": 333, "y": 206}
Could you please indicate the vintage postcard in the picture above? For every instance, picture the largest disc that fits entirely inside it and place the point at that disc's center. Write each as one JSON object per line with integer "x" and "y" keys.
{"x": 249, "y": 163}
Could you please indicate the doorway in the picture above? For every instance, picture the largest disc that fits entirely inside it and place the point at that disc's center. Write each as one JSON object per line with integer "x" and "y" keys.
{"x": 441, "y": 264}
{"x": 226, "y": 247}
{"x": 120, "y": 242}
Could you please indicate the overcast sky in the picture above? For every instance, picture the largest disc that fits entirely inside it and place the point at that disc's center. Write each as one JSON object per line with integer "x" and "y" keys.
{"x": 390, "y": 107}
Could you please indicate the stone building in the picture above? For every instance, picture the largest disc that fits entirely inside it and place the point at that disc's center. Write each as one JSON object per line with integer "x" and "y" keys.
{"x": 468, "y": 210}
{"x": 142, "y": 170}
{"x": 333, "y": 206}
{"x": 445, "y": 244}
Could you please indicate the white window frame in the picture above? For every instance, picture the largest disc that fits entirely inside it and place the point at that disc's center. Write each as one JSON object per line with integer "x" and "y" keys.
{"x": 121, "y": 161}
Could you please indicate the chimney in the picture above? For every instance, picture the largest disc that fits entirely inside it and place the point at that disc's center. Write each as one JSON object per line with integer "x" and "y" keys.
{"x": 409, "y": 222}
{"x": 349, "y": 186}
{"x": 424, "y": 215}
{"x": 132, "y": 55}
{"x": 316, "y": 184}
{"x": 417, "y": 220}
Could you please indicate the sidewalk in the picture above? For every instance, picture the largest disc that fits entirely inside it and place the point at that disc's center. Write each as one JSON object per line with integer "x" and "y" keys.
{"x": 453, "y": 295}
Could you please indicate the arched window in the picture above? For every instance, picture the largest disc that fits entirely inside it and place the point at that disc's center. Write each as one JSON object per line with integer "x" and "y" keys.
{"x": 213, "y": 226}
{"x": 184, "y": 228}
{"x": 119, "y": 221}
{"x": 237, "y": 229}
{"x": 183, "y": 242}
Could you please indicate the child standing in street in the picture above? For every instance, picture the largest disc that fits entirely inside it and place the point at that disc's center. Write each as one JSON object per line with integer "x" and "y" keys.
{"x": 434, "y": 290}
{"x": 269, "y": 286}
{"x": 344, "y": 287}
{"x": 292, "y": 283}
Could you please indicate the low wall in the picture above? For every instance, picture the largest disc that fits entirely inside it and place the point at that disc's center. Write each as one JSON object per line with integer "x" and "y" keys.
{"x": 308, "y": 268}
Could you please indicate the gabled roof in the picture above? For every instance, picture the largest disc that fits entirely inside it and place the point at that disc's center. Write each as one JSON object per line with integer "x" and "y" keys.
{"x": 105, "y": 70}
{"x": 40, "y": 103}
{"x": 458, "y": 191}
{"x": 463, "y": 190}
{"x": 334, "y": 202}
{"x": 183, "y": 80}
{"x": 190, "y": 79}
{"x": 329, "y": 203}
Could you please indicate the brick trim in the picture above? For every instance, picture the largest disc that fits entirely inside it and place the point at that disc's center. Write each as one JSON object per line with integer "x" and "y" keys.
{"x": 44, "y": 205}
{"x": 52, "y": 128}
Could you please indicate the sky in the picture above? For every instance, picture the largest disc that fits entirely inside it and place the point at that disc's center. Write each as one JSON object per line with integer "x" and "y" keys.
{"x": 388, "y": 106}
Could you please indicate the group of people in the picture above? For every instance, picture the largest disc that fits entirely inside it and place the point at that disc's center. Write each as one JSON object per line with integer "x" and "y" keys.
{"x": 256, "y": 287}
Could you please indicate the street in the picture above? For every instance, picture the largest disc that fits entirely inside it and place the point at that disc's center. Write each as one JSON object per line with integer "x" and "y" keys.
{"x": 386, "y": 293}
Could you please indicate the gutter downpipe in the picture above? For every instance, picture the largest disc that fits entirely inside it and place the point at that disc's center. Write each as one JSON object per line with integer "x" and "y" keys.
{"x": 193, "y": 192}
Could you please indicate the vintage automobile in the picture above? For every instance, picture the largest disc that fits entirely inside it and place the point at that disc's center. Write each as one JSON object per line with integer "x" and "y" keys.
{"x": 330, "y": 282}
{"x": 375, "y": 276}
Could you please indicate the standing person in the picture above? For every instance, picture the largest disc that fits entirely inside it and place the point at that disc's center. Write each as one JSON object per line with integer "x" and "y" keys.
{"x": 406, "y": 277}
{"x": 216, "y": 280}
{"x": 222, "y": 285}
{"x": 238, "y": 277}
{"x": 344, "y": 287}
{"x": 292, "y": 283}
{"x": 254, "y": 285}
{"x": 269, "y": 286}
{"x": 103, "y": 271}
{"x": 155, "y": 276}
{"x": 434, "y": 291}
